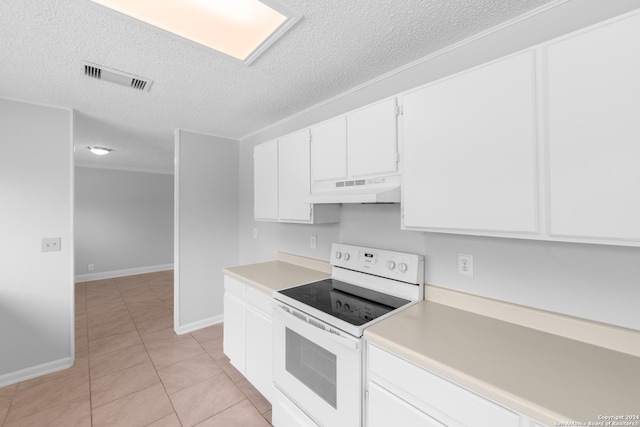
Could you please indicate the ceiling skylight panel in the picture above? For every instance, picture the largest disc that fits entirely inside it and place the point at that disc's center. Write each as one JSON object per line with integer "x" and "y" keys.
{"x": 238, "y": 28}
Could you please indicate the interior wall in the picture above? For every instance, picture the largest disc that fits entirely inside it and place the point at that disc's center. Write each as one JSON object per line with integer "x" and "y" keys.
{"x": 206, "y": 224}
{"x": 123, "y": 221}
{"x": 589, "y": 281}
{"x": 596, "y": 282}
{"x": 36, "y": 196}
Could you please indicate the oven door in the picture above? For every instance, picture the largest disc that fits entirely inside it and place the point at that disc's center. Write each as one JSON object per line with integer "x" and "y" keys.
{"x": 317, "y": 368}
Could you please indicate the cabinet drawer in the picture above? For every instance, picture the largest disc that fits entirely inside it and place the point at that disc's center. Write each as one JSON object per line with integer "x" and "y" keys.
{"x": 385, "y": 409}
{"x": 434, "y": 392}
{"x": 234, "y": 287}
{"x": 260, "y": 301}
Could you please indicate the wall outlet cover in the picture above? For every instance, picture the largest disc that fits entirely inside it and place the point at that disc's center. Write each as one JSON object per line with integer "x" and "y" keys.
{"x": 465, "y": 265}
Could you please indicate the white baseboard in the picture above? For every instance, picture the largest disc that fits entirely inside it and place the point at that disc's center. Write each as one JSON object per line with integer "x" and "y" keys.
{"x": 35, "y": 371}
{"x": 199, "y": 324}
{"x": 120, "y": 273}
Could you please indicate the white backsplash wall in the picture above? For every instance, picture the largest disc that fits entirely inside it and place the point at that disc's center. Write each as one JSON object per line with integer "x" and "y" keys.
{"x": 596, "y": 282}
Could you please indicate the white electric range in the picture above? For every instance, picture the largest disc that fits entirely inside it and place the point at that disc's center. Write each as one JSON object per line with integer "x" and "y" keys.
{"x": 318, "y": 327}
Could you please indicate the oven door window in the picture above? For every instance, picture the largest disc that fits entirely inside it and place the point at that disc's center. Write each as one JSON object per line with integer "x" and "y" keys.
{"x": 312, "y": 365}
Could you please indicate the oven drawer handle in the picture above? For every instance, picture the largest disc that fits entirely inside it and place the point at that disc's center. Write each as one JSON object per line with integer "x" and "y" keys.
{"x": 335, "y": 335}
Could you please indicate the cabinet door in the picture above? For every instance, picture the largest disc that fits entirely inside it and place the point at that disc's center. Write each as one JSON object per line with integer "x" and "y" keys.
{"x": 329, "y": 150}
{"x": 265, "y": 181}
{"x": 259, "y": 350}
{"x": 594, "y": 132}
{"x": 469, "y": 151}
{"x": 372, "y": 140}
{"x": 385, "y": 409}
{"x": 294, "y": 180}
{"x": 234, "y": 331}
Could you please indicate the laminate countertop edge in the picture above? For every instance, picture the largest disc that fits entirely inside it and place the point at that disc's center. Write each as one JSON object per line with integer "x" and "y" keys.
{"x": 285, "y": 272}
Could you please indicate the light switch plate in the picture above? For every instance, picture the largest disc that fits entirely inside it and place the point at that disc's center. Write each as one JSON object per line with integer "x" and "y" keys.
{"x": 50, "y": 244}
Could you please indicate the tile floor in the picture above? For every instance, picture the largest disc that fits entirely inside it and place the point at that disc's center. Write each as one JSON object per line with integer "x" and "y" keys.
{"x": 132, "y": 370}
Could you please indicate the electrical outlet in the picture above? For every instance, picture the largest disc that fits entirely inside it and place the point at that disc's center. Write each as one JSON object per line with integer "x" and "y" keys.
{"x": 90, "y": 267}
{"x": 50, "y": 244}
{"x": 255, "y": 233}
{"x": 465, "y": 265}
{"x": 314, "y": 242}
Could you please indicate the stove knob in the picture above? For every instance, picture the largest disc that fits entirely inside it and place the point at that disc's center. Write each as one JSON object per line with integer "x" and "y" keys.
{"x": 338, "y": 305}
{"x": 347, "y": 307}
{"x": 391, "y": 265}
{"x": 347, "y": 256}
{"x": 402, "y": 267}
{"x": 338, "y": 255}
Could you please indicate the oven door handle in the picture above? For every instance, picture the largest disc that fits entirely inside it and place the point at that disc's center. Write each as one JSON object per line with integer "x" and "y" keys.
{"x": 318, "y": 327}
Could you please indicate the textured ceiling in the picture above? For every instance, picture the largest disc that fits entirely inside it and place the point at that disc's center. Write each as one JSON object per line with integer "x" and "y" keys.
{"x": 338, "y": 44}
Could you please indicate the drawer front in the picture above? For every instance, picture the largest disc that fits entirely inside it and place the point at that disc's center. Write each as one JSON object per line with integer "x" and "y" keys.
{"x": 434, "y": 392}
{"x": 260, "y": 301}
{"x": 287, "y": 414}
{"x": 386, "y": 409}
{"x": 234, "y": 287}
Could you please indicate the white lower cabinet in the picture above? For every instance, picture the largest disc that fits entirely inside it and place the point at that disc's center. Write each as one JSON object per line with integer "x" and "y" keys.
{"x": 259, "y": 345}
{"x": 248, "y": 334}
{"x": 234, "y": 323}
{"x": 386, "y": 409}
{"x": 401, "y": 393}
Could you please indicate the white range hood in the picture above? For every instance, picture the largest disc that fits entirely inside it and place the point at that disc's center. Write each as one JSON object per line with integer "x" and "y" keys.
{"x": 369, "y": 190}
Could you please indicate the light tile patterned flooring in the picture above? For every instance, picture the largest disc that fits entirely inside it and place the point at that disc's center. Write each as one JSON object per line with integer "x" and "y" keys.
{"x": 132, "y": 370}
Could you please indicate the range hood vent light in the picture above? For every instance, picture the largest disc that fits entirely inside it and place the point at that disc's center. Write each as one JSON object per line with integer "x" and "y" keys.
{"x": 384, "y": 189}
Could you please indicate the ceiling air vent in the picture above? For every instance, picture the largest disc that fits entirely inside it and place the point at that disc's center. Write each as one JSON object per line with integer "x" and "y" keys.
{"x": 101, "y": 72}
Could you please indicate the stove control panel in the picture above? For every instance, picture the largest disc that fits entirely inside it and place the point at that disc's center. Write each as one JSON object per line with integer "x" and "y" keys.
{"x": 390, "y": 264}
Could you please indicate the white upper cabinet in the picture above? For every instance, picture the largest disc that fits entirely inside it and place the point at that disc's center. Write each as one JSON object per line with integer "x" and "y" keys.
{"x": 470, "y": 151}
{"x": 265, "y": 181}
{"x": 282, "y": 182}
{"x": 372, "y": 140}
{"x": 329, "y": 150}
{"x": 294, "y": 177}
{"x": 594, "y": 133}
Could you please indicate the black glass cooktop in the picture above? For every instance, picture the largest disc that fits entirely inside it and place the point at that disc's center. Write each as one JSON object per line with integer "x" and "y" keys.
{"x": 351, "y": 303}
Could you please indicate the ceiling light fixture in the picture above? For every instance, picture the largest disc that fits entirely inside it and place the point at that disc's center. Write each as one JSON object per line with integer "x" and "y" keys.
{"x": 241, "y": 29}
{"x": 100, "y": 151}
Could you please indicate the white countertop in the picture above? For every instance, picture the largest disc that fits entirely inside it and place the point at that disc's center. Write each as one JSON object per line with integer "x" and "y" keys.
{"x": 287, "y": 271}
{"x": 545, "y": 376}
